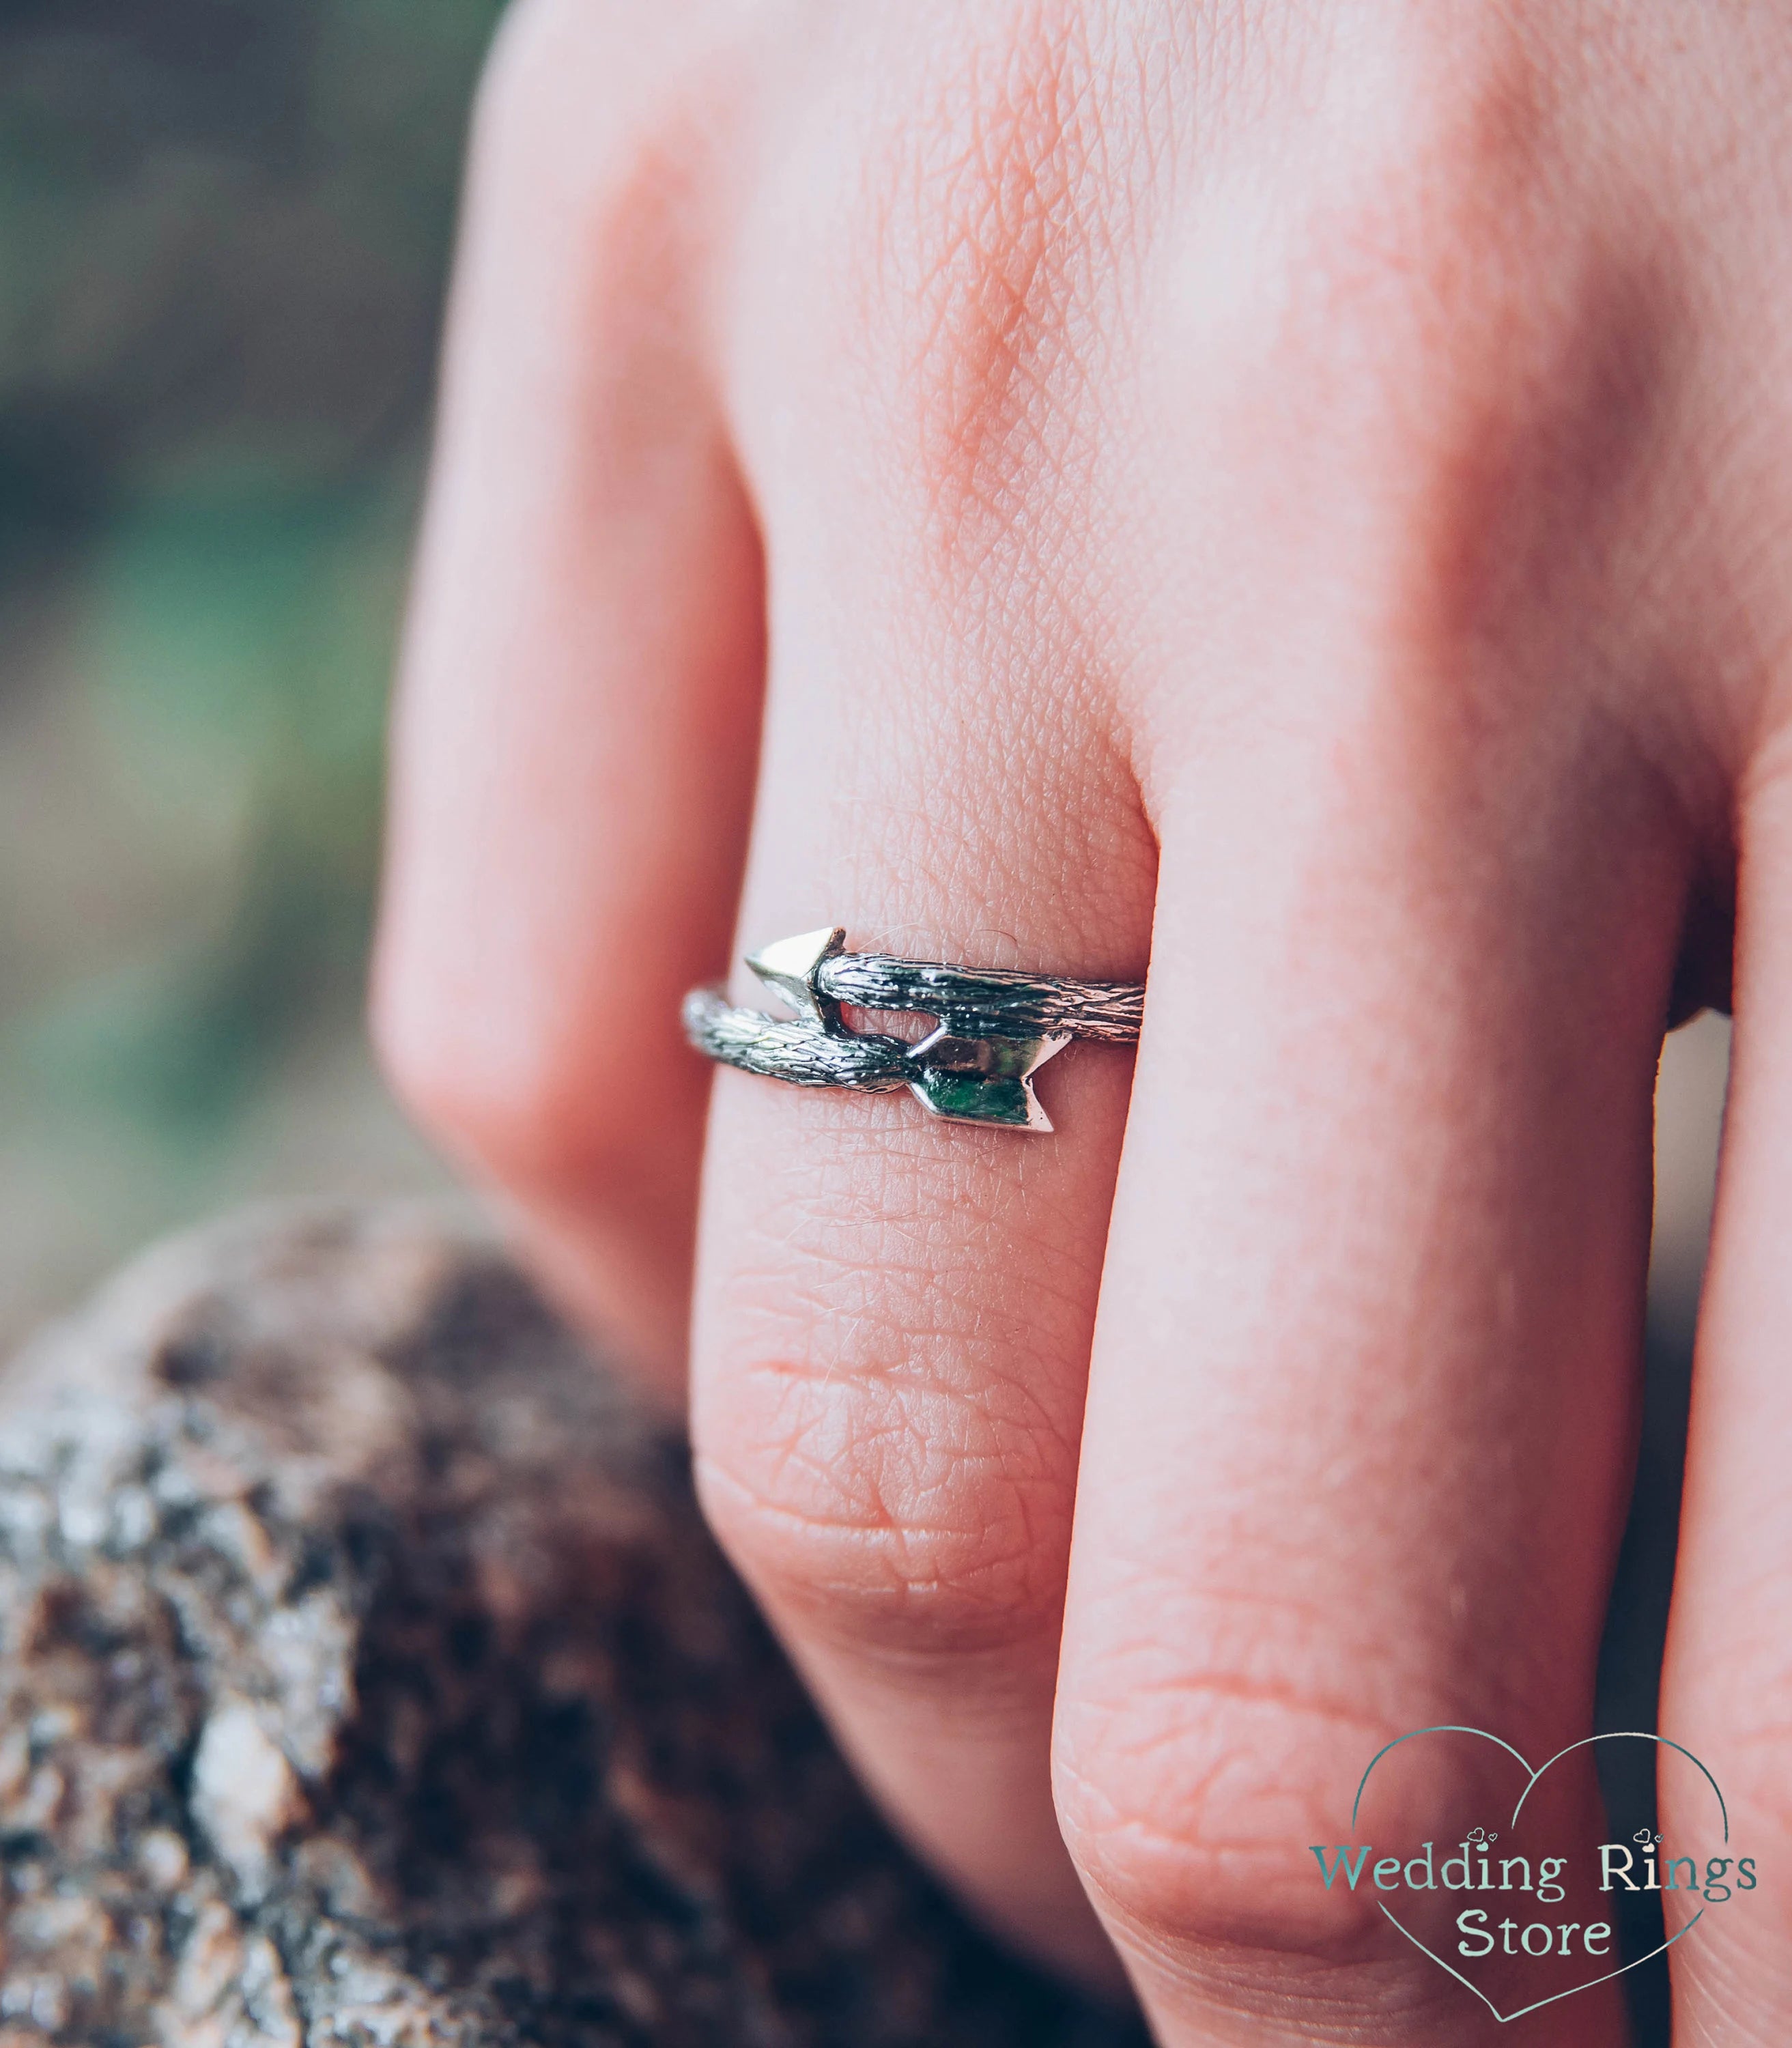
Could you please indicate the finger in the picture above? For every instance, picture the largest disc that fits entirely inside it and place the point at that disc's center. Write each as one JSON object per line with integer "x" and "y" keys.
{"x": 1357, "y": 1447}
{"x": 574, "y": 746}
{"x": 1727, "y": 1682}
{"x": 894, "y": 1313}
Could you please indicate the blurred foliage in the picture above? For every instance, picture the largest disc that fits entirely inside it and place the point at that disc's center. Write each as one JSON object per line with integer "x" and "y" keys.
{"x": 224, "y": 229}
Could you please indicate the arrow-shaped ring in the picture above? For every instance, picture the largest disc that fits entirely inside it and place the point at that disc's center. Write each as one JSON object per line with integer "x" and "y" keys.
{"x": 995, "y": 1029}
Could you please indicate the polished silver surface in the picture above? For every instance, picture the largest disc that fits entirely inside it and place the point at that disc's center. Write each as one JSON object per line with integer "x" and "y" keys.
{"x": 996, "y": 1028}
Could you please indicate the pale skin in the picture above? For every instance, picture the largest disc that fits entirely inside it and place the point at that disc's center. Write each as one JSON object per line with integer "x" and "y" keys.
{"x": 1296, "y": 498}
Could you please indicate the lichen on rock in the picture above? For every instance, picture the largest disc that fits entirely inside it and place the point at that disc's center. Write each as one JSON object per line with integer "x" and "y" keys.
{"x": 368, "y": 1680}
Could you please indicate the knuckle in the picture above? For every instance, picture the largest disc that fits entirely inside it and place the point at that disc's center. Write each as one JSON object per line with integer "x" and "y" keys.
{"x": 908, "y": 1523}
{"x": 1189, "y": 1807}
{"x": 1454, "y": 318}
{"x": 412, "y": 1052}
{"x": 536, "y": 43}
{"x": 608, "y": 56}
{"x": 1446, "y": 174}
{"x": 968, "y": 243}
{"x": 1190, "y": 1810}
{"x": 489, "y": 1080}
{"x": 1449, "y": 369}
{"x": 595, "y": 122}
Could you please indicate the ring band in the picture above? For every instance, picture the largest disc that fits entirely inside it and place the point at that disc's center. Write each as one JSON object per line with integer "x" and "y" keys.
{"x": 995, "y": 1028}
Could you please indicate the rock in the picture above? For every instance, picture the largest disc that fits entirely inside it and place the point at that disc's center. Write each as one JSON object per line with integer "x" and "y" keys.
{"x": 369, "y": 1682}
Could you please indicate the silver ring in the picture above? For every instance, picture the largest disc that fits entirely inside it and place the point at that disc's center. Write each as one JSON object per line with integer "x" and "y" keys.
{"x": 995, "y": 1029}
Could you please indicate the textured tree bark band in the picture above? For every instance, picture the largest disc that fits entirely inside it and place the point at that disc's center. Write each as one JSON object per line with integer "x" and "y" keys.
{"x": 996, "y": 1028}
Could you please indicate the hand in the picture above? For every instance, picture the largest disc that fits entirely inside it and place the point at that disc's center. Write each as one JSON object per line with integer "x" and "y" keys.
{"x": 1291, "y": 496}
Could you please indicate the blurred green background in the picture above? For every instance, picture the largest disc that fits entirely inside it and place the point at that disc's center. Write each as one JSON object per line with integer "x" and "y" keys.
{"x": 224, "y": 228}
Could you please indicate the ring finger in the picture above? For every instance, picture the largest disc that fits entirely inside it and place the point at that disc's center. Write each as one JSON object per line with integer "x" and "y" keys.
{"x": 894, "y": 1313}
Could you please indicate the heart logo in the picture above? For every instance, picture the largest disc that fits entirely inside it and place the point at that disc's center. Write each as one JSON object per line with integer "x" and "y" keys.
{"x": 1481, "y": 1839}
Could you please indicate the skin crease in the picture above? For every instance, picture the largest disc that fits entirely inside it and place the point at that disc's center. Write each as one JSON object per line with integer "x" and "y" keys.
{"x": 1293, "y": 498}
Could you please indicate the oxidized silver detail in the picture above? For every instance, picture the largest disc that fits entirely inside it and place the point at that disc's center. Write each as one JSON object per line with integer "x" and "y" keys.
{"x": 996, "y": 1028}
